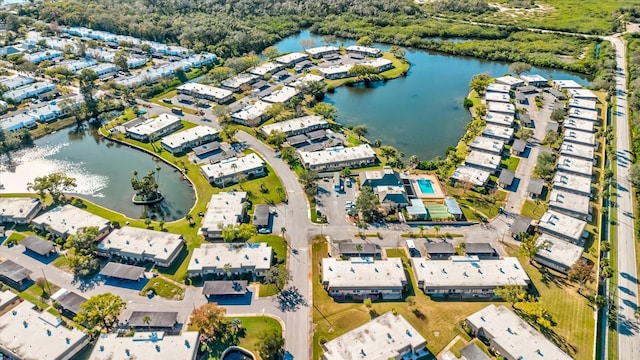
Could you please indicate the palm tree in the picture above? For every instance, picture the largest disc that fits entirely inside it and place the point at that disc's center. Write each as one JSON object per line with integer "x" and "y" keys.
{"x": 227, "y": 269}
{"x": 437, "y": 229}
{"x": 189, "y": 218}
{"x": 283, "y": 230}
{"x": 359, "y": 249}
{"x": 161, "y": 224}
{"x": 421, "y": 228}
{"x": 147, "y": 321}
{"x": 158, "y": 168}
{"x": 221, "y": 177}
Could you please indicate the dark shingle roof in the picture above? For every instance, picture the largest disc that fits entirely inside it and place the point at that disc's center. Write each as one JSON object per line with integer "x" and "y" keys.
{"x": 212, "y": 288}
{"x": 14, "y": 271}
{"x": 37, "y": 245}
{"x": 520, "y": 224}
{"x": 524, "y": 118}
{"x": 122, "y": 271}
{"x": 71, "y": 301}
{"x": 261, "y": 215}
{"x": 473, "y": 352}
{"x": 506, "y": 177}
{"x": 439, "y": 248}
{"x": 156, "y": 319}
{"x": 478, "y": 248}
{"x": 518, "y": 145}
{"x": 350, "y": 248}
{"x": 535, "y": 186}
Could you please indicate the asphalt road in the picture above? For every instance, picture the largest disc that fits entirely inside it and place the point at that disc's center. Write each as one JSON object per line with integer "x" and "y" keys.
{"x": 628, "y": 331}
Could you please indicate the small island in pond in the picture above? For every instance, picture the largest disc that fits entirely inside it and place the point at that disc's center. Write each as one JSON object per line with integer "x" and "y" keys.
{"x": 146, "y": 188}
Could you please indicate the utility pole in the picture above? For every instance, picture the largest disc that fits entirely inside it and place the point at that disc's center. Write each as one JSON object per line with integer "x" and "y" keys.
{"x": 46, "y": 282}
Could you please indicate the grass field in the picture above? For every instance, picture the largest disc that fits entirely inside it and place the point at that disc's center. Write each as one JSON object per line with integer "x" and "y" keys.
{"x": 532, "y": 210}
{"x": 510, "y": 163}
{"x": 164, "y": 288}
{"x": 280, "y": 251}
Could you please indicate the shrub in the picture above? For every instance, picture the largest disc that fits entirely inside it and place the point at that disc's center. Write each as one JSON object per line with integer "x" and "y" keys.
{"x": 467, "y": 103}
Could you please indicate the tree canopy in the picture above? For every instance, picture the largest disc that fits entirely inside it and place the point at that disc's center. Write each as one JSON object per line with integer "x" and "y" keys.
{"x": 367, "y": 202}
{"x": 271, "y": 345}
{"x": 209, "y": 318}
{"x": 54, "y": 184}
{"x": 101, "y": 310}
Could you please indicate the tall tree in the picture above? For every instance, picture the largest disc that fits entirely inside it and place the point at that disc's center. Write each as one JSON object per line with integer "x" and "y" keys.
{"x": 360, "y": 131}
{"x": 581, "y": 272}
{"x": 530, "y": 249}
{"x": 54, "y": 184}
{"x": 270, "y": 52}
{"x": 277, "y": 276}
{"x": 364, "y": 41}
{"x": 100, "y": 310}
{"x": 209, "y": 318}
{"x": 511, "y": 294}
{"x": 120, "y": 60}
{"x": 271, "y": 345}
{"x": 518, "y": 68}
{"x": 367, "y": 202}
{"x": 87, "y": 78}
{"x": 479, "y": 82}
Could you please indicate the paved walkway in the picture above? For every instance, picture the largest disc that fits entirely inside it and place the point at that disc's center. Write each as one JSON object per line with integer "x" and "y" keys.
{"x": 627, "y": 297}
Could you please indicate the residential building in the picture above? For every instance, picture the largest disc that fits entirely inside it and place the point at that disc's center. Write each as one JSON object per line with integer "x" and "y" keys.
{"x": 521, "y": 224}
{"x": 534, "y": 80}
{"x": 591, "y": 115}
{"x": 361, "y": 278}
{"x": 582, "y": 94}
{"x": 291, "y": 59}
{"x": 473, "y": 176}
{"x": 16, "y": 81}
{"x": 484, "y": 161}
{"x": 336, "y": 158}
{"x": 582, "y": 104}
{"x": 230, "y": 259}
{"x": 572, "y": 183}
{"x": 18, "y": 121}
{"x": 78, "y": 65}
{"x": 518, "y": 147}
{"x": 512, "y": 82}
{"x": 297, "y": 126}
{"x": 122, "y": 271}
{"x": 28, "y": 91}
{"x": 364, "y": 51}
{"x": 155, "y": 128}
{"x": 252, "y": 114}
{"x": 580, "y": 137}
{"x": 385, "y": 337}
{"x": 579, "y": 125}
{"x": 565, "y": 84}
{"x": 385, "y": 177}
{"x": 268, "y": 68}
{"x": 223, "y": 288}
{"x": 492, "y": 146}
{"x": 562, "y": 226}
{"x": 207, "y": 92}
{"x": 261, "y": 215}
{"x": 237, "y": 82}
{"x": 7, "y": 298}
{"x": 19, "y": 210}
{"x": 499, "y": 119}
{"x": 557, "y": 254}
{"x": 575, "y": 166}
{"x": 335, "y": 71}
{"x": 304, "y": 80}
{"x": 281, "y": 96}
{"x": 135, "y": 244}
{"x": 500, "y": 107}
{"x": 498, "y": 97}
{"x": 320, "y": 51}
{"x": 39, "y": 246}
{"x": 498, "y": 88}
{"x": 557, "y": 94}
{"x": 467, "y": 276}
{"x": 571, "y": 204}
{"x": 510, "y": 336}
{"x": 31, "y": 334}
{"x": 480, "y": 249}
{"x": 498, "y": 132}
{"x": 147, "y": 346}
{"x": 186, "y": 140}
{"x": 439, "y": 250}
{"x": 379, "y": 64}
{"x": 103, "y": 69}
{"x": 40, "y": 56}
{"x": 577, "y": 151}
{"x": 229, "y": 171}
{"x": 68, "y": 219}
{"x": 14, "y": 275}
{"x": 534, "y": 190}
{"x": 506, "y": 178}
{"x": 156, "y": 320}
{"x": 224, "y": 209}
{"x": 69, "y": 302}
{"x": 350, "y": 249}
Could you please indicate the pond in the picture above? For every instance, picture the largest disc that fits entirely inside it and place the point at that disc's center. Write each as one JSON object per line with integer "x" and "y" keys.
{"x": 103, "y": 172}
{"x": 421, "y": 114}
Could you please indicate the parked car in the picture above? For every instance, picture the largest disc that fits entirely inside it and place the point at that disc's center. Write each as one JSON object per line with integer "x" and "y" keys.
{"x": 264, "y": 231}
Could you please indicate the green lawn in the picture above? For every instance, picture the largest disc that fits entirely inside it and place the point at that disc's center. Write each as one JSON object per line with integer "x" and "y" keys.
{"x": 400, "y": 66}
{"x": 510, "y": 163}
{"x": 163, "y": 288}
{"x": 17, "y": 237}
{"x": 280, "y": 252}
{"x": 533, "y": 211}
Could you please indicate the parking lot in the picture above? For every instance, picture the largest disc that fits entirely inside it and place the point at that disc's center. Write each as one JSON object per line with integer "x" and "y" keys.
{"x": 331, "y": 203}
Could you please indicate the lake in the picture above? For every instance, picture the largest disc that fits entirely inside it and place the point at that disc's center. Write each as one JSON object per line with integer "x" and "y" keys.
{"x": 421, "y": 114}
{"x": 103, "y": 172}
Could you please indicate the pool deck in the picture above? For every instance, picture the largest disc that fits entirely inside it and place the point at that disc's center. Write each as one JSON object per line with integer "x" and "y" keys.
{"x": 438, "y": 190}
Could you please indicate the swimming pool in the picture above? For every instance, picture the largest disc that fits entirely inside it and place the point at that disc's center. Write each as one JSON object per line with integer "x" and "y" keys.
{"x": 425, "y": 185}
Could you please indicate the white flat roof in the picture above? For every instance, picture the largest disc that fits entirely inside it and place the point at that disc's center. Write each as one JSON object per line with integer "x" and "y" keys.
{"x": 15, "y": 81}
{"x": 289, "y": 58}
{"x": 295, "y": 125}
{"x": 487, "y": 144}
{"x": 363, "y": 273}
{"x": 305, "y": 79}
{"x": 469, "y": 271}
{"x": 558, "y": 250}
{"x": 582, "y": 94}
{"x": 337, "y": 155}
{"x": 188, "y": 136}
{"x": 146, "y": 346}
{"x": 500, "y": 119}
{"x": 252, "y": 111}
{"x": 577, "y": 150}
{"x": 498, "y": 97}
{"x": 501, "y": 132}
{"x": 321, "y": 50}
{"x": 238, "y": 255}
{"x": 232, "y": 166}
{"x": 239, "y": 80}
{"x": 472, "y": 175}
{"x": 579, "y": 124}
{"x": 514, "y": 335}
{"x": 499, "y": 88}
{"x": 335, "y": 69}
{"x": 483, "y": 159}
{"x": 153, "y": 125}
{"x": 583, "y": 114}
{"x": 206, "y": 90}
{"x": 382, "y": 338}
{"x": 581, "y": 137}
{"x": 584, "y": 167}
{"x": 569, "y": 181}
{"x": 224, "y": 209}
{"x": 500, "y": 107}
{"x": 582, "y": 103}
{"x": 566, "y": 84}
{"x": 378, "y": 62}
{"x": 282, "y": 95}
{"x": 265, "y": 68}
{"x": 157, "y": 244}
{"x": 562, "y": 224}
{"x": 533, "y": 78}
{"x": 68, "y": 219}
{"x": 37, "y": 335}
{"x": 509, "y": 80}
{"x": 17, "y": 207}
{"x": 569, "y": 201}
{"x": 364, "y": 49}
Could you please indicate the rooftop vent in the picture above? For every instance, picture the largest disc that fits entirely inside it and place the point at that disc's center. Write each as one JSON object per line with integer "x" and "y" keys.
{"x": 101, "y": 348}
